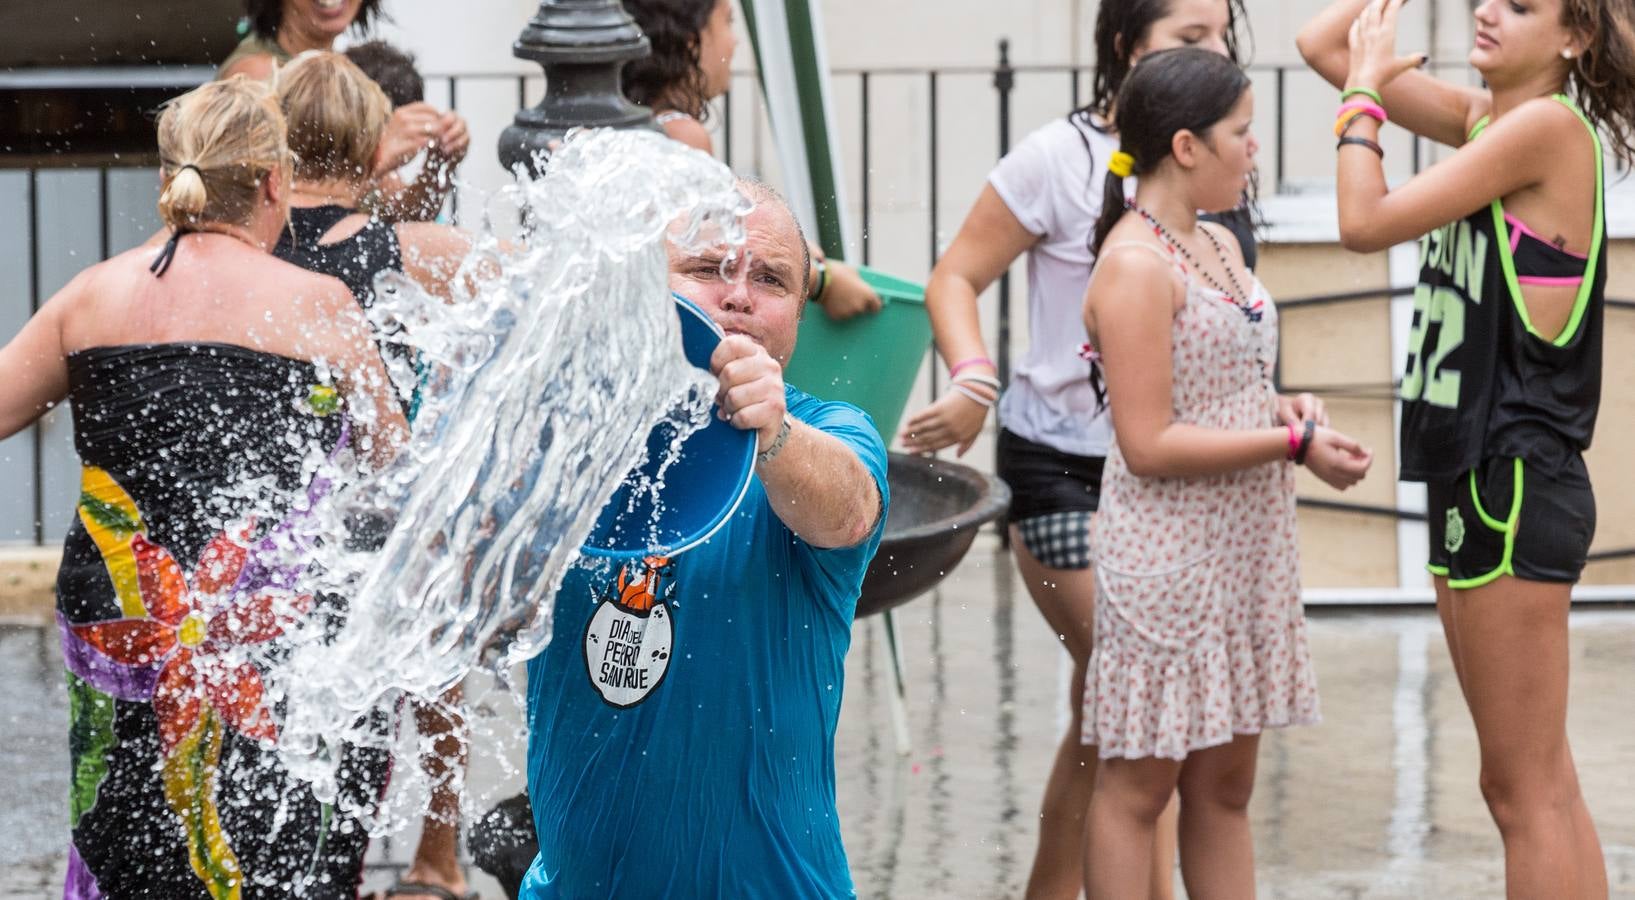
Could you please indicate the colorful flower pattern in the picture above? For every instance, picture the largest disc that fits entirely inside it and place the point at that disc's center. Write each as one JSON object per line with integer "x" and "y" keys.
{"x": 177, "y": 645}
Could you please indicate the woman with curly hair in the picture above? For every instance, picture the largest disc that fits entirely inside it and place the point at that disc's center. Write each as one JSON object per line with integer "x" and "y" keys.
{"x": 691, "y": 64}
{"x": 280, "y": 30}
{"x": 1503, "y": 381}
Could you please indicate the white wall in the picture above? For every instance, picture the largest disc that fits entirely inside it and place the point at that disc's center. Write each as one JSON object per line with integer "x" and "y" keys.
{"x": 868, "y": 34}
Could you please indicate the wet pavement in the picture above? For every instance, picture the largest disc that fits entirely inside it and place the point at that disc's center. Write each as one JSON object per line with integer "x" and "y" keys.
{"x": 1380, "y": 801}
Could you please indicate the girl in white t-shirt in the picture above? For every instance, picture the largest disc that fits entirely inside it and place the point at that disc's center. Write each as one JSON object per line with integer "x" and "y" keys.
{"x": 1043, "y": 199}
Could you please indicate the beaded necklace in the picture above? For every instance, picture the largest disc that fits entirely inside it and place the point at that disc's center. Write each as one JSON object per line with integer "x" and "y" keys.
{"x": 1251, "y": 311}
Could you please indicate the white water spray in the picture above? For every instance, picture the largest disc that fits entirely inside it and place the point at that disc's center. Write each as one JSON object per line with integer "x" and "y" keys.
{"x": 539, "y": 386}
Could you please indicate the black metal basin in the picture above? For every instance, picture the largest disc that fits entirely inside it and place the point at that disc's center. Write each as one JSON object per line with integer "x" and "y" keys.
{"x": 936, "y": 508}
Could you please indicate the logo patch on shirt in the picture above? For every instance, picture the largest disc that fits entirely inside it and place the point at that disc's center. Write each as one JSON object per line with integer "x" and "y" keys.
{"x": 629, "y": 638}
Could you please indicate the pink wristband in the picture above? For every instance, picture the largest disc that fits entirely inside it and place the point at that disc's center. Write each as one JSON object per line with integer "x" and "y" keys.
{"x": 1372, "y": 110}
{"x": 963, "y": 364}
{"x": 1294, "y": 442}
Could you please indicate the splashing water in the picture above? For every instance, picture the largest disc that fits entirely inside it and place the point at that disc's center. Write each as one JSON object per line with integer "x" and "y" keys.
{"x": 539, "y": 386}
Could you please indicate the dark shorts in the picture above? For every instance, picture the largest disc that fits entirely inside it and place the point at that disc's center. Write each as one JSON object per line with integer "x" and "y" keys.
{"x": 1052, "y": 496}
{"x": 1506, "y": 517}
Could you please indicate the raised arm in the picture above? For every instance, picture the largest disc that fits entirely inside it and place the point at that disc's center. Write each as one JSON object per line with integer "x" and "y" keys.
{"x": 1514, "y": 153}
{"x": 1417, "y": 101}
{"x": 1130, "y": 308}
{"x": 817, "y": 485}
{"x": 990, "y": 239}
{"x": 34, "y": 367}
{"x": 445, "y": 138}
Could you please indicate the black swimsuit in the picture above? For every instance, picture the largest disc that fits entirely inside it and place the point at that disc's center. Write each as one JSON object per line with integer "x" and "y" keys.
{"x": 356, "y": 260}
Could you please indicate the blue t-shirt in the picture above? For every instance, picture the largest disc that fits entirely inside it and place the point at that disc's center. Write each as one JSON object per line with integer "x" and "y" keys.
{"x": 682, "y": 717}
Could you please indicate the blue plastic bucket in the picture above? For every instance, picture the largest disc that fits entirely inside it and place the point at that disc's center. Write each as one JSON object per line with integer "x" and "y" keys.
{"x": 702, "y": 488}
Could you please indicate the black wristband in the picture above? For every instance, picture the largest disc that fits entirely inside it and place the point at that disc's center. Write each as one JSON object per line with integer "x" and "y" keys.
{"x": 1361, "y": 142}
{"x": 1305, "y": 442}
{"x": 822, "y": 282}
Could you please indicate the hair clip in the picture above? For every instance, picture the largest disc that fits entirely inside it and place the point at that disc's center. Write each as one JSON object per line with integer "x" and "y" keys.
{"x": 1121, "y": 164}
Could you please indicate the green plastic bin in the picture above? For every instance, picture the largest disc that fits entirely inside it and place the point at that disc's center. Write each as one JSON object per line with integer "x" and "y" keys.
{"x": 868, "y": 361}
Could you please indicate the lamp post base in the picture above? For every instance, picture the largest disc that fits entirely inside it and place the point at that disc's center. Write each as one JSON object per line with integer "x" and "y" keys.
{"x": 583, "y": 46}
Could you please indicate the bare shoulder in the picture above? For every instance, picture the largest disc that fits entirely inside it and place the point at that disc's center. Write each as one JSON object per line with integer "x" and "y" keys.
{"x": 328, "y": 295}
{"x": 1133, "y": 269}
{"x": 1132, "y": 253}
{"x": 257, "y": 66}
{"x": 112, "y": 276}
{"x": 283, "y": 283}
{"x": 1539, "y": 122}
{"x": 691, "y": 132}
{"x": 433, "y": 240}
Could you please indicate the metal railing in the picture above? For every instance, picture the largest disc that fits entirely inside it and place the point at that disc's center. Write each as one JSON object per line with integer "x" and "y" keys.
{"x": 1003, "y": 76}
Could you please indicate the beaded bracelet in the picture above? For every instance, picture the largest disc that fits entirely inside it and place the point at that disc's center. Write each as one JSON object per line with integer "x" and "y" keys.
{"x": 1294, "y": 442}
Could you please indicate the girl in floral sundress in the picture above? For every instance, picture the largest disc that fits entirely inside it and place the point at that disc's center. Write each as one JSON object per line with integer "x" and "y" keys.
{"x": 1199, "y": 637}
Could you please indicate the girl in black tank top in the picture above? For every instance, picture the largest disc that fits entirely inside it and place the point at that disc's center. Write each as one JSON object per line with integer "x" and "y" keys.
{"x": 336, "y": 119}
{"x": 356, "y": 259}
{"x": 1502, "y": 385}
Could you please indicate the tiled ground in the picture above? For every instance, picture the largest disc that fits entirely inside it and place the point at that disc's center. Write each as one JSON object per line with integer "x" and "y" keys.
{"x": 1378, "y": 802}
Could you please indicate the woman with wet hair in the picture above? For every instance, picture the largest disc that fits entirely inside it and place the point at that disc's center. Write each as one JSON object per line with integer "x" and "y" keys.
{"x": 691, "y": 65}
{"x": 1042, "y": 200}
{"x": 195, "y": 372}
{"x": 1200, "y": 641}
{"x": 280, "y": 30}
{"x": 337, "y": 119}
{"x": 1503, "y": 379}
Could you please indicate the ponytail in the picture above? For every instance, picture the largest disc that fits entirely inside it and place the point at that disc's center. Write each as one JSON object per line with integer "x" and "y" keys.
{"x": 217, "y": 145}
{"x": 183, "y": 200}
{"x": 1112, "y": 209}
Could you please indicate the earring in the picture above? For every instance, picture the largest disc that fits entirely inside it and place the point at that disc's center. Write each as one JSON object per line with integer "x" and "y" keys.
{"x": 1566, "y": 54}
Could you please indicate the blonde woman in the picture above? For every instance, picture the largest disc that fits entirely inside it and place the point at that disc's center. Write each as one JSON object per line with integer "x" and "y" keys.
{"x": 280, "y": 30}
{"x": 192, "y": 371}
{"x": 338, "y": 118}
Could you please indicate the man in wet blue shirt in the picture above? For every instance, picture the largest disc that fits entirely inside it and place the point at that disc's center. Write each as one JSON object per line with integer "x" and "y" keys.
{"x": 682, "y": 718}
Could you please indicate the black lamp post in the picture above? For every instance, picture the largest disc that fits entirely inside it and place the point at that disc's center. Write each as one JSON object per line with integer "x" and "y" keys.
{"x": 582, "y": 46}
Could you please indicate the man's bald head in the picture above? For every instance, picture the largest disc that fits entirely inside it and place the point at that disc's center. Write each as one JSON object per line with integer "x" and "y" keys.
{"x": 758, "y": 289}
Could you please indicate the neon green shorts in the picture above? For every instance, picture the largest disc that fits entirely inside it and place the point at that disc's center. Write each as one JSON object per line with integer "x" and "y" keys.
{"x": 1505, "y": 517}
